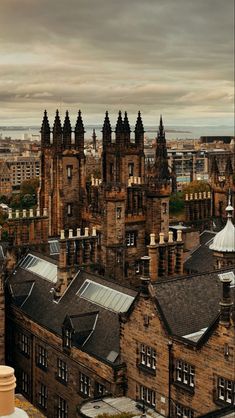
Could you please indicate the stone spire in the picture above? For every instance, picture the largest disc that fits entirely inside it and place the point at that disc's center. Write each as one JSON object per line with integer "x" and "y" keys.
{"x": 57, "y": 131}
{"x": 67, "y": 130}
{"x": 79, "y": 132}
{"x": 161, "y": 162}
{"x": 106, "y": 130}
{"x": 229, "y": 167}
{"x": 214, "y": 171}
{"x": 94, "y": 136}
{"x": 139, "y": 131}
{"x": 119, "y": 129}
{"x": 126, "y": 128}
{"x": 45, "y": 131}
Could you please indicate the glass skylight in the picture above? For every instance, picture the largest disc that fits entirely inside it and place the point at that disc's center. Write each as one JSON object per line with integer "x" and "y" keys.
{"x": 41, "y": 267}
{"x": 105, "y": 296}
{"x": 54, "y": 247}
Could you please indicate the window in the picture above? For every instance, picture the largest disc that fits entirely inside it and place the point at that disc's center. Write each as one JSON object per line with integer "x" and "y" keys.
{"x": 111, "y": 171}
{"x": 164, "y": 208}
{"x": 23, "y": 344}
{"x": 99, "y": 389}
{"x": 69, "y": 169}
{"x": 148, "y": 396}
{"x": 131, "y": 169}
{"x": 84, "y": 384}
{"x": 24, "y": 382}
{"x": 41, "y": 356}
{"x": 67, "y": 338}
{"x": 69, "y": 209}
{"x": 182, "y": 411}
{"x": 62, "y": 370}
{"x": 131, "y": 239}
{"x": 185, "y": 373}
{"x": 61, "y": 408}
{"x": 119, "y": 213}
{"x": 148, "y": 357}
{"x": 42, "y": 396}
{"x": 226, "y": 391}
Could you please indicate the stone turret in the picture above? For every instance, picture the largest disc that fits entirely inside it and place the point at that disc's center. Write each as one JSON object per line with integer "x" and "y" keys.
{"x": 139, "y": 131}
{"x": 67, "y": 131}
{"x": 45, "y": 131}
{"x": 79, "y": 133}
{"x": 57, "y": 132}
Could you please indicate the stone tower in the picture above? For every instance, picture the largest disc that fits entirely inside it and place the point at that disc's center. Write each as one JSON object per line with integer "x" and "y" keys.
{"x": 158, "y": 188}
{"x": 123, "y": 195}
{"x": 62, "y": 187}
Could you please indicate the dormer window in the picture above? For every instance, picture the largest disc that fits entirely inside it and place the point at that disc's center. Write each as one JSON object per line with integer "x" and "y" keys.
{"x": 67, "y": 338}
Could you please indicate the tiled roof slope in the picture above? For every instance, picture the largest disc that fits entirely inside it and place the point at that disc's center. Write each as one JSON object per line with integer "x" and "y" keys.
{"x": 201, "y": 259}
{"x": 190, "y": 303}
{"x": 33, "y": 295}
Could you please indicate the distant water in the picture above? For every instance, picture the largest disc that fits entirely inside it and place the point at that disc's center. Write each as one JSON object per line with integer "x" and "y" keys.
{"x": 172, "y": 132}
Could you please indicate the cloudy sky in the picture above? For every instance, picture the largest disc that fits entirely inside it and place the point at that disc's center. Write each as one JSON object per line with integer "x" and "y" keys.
{"x": 173, "y": 57}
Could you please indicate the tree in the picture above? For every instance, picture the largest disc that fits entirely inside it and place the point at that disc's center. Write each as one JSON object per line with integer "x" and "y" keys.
{"x": 176, "y": 205}
{"x": 197, "y": 186}
{"x": 29, "y": 187}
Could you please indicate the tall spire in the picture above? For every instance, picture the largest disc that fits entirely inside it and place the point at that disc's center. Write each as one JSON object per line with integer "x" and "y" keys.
{"x": 126, "y": 128}
{"x": 94, "y": 139}
{"x": 107, "y": 130}
{"x": 79, "y": 132}
{"x": 45, "y": 131}
{"x": 161, "y": 162}
{"x": 57, "y": 131}
{"x": 119, "y": 129}
{"x": 139, "y": 131}
{"x": 67, "y": 130}
{"x": 214, "y": 171}
{"x": 229, "y": 167}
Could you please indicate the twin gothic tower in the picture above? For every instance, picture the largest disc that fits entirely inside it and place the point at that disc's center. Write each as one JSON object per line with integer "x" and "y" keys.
{"x": 128, "y": 203}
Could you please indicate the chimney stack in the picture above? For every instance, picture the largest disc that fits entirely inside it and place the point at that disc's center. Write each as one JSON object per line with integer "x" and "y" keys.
{"x": 226, "y": 302}
{"x": 7, "y": 394}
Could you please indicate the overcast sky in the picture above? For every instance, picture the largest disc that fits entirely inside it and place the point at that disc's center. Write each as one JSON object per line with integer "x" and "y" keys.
{"x": 173, "y": 57}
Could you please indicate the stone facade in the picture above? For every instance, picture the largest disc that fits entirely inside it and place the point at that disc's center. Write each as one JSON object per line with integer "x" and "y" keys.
{"x": 164, "y": 390}
{"x": 125, "y": 205}
{"x": 41, "y": 361}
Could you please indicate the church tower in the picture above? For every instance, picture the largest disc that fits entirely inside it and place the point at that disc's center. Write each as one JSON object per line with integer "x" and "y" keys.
{"x": 62, "y": 186}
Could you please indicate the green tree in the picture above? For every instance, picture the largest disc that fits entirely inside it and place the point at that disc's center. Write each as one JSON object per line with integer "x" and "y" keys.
{"x": 29, "y": 187}
{"x": 176, "y": 205}
{"x": 197, "y": 186}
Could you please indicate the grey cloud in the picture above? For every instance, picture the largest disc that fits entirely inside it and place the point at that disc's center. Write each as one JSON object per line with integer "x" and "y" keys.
{"x": 106, "y": 53}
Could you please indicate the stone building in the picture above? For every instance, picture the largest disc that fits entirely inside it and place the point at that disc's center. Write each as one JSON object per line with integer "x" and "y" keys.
{"x": 125, "y": 205}
{"x": 177, "y": 347}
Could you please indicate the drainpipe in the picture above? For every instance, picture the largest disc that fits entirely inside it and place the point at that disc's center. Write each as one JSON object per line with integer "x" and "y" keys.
{"x": 169, "y": 345}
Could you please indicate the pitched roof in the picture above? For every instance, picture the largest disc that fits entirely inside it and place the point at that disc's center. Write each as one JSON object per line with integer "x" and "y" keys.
{"x": 201, "y": 259}
{"x": 34, "y": 296}
{"x": 190, "y": 304}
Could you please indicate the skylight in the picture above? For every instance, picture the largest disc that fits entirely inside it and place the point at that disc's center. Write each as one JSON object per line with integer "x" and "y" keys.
{"x": 54, "y": 247}
{"x": 105, "y": 296}
{"x": 41, "y": 267}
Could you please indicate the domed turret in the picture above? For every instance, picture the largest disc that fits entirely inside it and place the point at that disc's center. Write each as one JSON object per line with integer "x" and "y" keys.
{"x": 225, "y": 240}
{"x": 223, "y": 245}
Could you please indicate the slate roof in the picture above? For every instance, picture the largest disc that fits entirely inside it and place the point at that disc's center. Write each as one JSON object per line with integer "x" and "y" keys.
{"x": 201, "y": 259}
{"x": 33, "y": 295}
{"x": 190, "y": 303}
